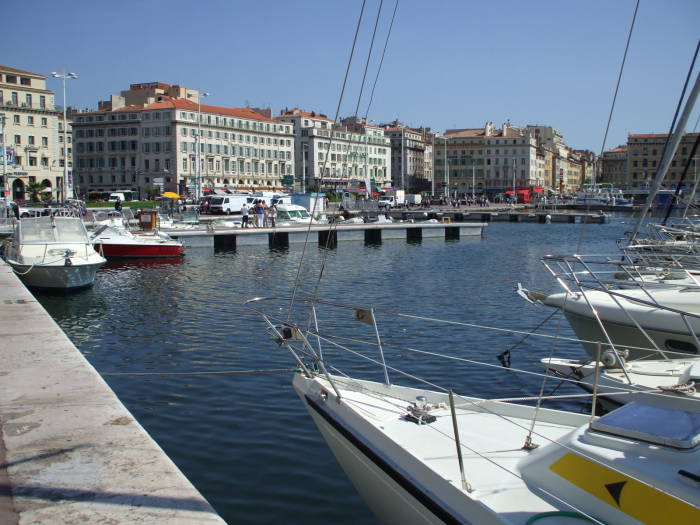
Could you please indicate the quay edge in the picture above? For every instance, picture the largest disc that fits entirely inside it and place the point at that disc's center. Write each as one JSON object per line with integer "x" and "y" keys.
{"x": 70, "y": 452}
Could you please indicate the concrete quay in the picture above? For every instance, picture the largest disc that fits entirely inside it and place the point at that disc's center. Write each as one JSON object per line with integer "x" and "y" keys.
{"x": 70, "y": 452}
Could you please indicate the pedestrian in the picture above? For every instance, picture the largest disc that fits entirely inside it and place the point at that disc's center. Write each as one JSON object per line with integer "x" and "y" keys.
{"x": 118, "y": 204}
{"x": 259, "y": 214}
{"x": 272, "y": 214}
{"x": 244, "y": 215}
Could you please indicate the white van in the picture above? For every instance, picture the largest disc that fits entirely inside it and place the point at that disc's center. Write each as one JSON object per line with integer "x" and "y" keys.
{"x": 114, "y": 197}
{"x": 227, "y": 204}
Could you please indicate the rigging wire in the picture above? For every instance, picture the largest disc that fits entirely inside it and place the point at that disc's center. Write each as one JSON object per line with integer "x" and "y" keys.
{"x": 297, "y": 279}
{"x": 369, "y": 56}
{"x": 381, "y": 62}
{"x": 614, "y": 100}
{"x": 670, "y": 134}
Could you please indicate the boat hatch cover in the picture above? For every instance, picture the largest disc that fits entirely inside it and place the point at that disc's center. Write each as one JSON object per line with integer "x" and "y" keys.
{"x": 663, "y": 426}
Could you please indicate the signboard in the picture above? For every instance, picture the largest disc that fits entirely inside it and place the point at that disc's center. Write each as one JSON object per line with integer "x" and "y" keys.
{"x": 10, "y": 153}
{"x": 288, "y": 180}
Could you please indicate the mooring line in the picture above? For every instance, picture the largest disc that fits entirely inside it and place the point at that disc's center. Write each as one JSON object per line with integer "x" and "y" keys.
{"x": 213, "y": 373}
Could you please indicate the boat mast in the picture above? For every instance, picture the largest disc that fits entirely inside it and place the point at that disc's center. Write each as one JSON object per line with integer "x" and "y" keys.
{"x": 668, "y": 156}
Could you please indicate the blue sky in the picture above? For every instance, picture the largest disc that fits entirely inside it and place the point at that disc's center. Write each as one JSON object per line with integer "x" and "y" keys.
{"x": 448, "y": 64}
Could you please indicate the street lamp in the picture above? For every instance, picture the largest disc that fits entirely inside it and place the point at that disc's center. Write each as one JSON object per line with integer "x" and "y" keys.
{"x": 5, "y": 184}
{"x": 68, "y": 193}
{"x": 447, "y": 173}
{"x": 304, "y": 149}
{"x": 515, "y": 195}
{"x": 198, "y": 142}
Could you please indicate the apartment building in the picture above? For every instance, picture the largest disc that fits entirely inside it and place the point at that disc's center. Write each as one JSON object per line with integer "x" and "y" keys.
{"x": 30, "y": 133}
{"x": 411, "y": 157}
{"x": 644, "y": 155}
{"x": 485, "y": 160}
{"x": 488, "y": 160}
{"x": 160, "y": 136}
{"x": 334, "y": 155}
{"x": 613, "y": 167}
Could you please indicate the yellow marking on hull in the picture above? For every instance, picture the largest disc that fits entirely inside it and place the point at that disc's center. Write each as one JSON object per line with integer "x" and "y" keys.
{"x": 634, "y": 498}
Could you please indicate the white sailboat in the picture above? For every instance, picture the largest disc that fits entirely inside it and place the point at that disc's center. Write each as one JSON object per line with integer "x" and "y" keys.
{"x": 423, "y": 454}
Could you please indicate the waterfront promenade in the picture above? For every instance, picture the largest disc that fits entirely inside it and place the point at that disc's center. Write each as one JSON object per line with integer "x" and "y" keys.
{"x": 70, "y": 452}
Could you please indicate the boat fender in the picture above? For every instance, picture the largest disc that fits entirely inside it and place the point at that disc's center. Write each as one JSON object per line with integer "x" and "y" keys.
{"x": 68, "y": 262}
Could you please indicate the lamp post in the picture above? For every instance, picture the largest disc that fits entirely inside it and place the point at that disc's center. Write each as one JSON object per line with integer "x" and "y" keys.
{"x": 5, "y": 182}
{"x": 304, "y": 150}
{"x": 447, "y": 173}
{"x": 198, "y": 142}
{"x": 515, "y": 195}
{"x": 63, "y": 76}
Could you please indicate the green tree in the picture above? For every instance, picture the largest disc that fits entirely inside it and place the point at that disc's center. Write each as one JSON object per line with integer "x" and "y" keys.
{"x": 152, "y": 192}
{"x": 35, "y": 191}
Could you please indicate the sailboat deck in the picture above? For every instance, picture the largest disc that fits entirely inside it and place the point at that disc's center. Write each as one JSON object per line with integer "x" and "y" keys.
{"x": 492, "y": 445}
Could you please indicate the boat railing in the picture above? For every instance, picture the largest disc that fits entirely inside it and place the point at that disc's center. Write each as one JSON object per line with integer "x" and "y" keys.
{"x": 335, "y": 339}
{"x": 583, "y": 274}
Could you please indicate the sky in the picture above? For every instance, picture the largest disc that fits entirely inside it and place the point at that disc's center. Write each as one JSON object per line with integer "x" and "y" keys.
{"x": 448, "y": 63}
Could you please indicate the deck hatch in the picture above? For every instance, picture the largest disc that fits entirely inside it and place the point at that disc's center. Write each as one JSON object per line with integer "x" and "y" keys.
{"x": 663, "y": 426}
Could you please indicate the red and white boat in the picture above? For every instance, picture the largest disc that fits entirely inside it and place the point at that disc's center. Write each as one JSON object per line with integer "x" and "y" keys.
{"x": 116, "y": 242}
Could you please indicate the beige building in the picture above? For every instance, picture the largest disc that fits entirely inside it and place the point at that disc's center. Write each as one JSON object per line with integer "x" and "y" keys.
{"x": 644, "y": 154}
{"x": 487, "y": 160}
{"x": 411, "y": 157}
{"x": 154, "y": 135}
{"x": 337, "y": 155}
{"x": 30, "y": 132}
{"x": 613, "y": 169}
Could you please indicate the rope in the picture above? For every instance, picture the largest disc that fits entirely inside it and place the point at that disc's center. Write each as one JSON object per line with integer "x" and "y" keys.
{"x": 210, "y": 373}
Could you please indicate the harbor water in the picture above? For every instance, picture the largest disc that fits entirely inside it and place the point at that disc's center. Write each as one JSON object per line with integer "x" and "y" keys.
{"x": 245, "y": 440}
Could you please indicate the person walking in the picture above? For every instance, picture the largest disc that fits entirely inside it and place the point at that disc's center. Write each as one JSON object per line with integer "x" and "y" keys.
{"x": 244, "y": 215}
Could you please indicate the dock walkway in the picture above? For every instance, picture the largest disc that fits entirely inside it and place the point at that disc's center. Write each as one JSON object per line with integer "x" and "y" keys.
{"x": 70, "y": 452}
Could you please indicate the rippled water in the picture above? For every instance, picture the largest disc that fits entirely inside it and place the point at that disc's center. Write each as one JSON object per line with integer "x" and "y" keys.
{"x": 245, "y": 441}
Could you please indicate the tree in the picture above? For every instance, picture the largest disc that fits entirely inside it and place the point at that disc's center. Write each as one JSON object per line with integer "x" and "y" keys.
{"x": 35, "y": 191}
{"x": 152, "y": 192}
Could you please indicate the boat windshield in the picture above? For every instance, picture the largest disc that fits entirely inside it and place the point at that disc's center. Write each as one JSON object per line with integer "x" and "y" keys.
{"x": 52, "y": 229}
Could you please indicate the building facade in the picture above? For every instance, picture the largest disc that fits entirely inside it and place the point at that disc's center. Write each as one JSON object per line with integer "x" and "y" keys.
{"x": 334, "y": 155}
{"x": 30, "y": 133}
{"x": 499, "y": 161}
{"x": 613, "y": 167}
{"x": 411, "y": 157}
{"x": 644, "y": 156}
{"x": 155, "y": 136}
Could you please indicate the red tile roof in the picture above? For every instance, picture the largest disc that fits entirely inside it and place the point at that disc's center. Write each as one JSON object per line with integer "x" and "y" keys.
{"x": 13, "y": 70}
{"x": 186, "y": 104}
{"x": 657, "y": 135}
{"x": 299, "y": 113}
{"x": 470, "y": 132}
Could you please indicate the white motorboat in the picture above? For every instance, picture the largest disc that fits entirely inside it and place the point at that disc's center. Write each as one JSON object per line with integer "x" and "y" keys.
{"x": 292, "y": 215}
{"x": 53, "y": 253}
{"x": 601, "y": 195}
{"x": 649, "y": 322}
{"x": 423, "y": 454}
{"x": 666, "y": 380}
{"x": 119, "y": 243}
